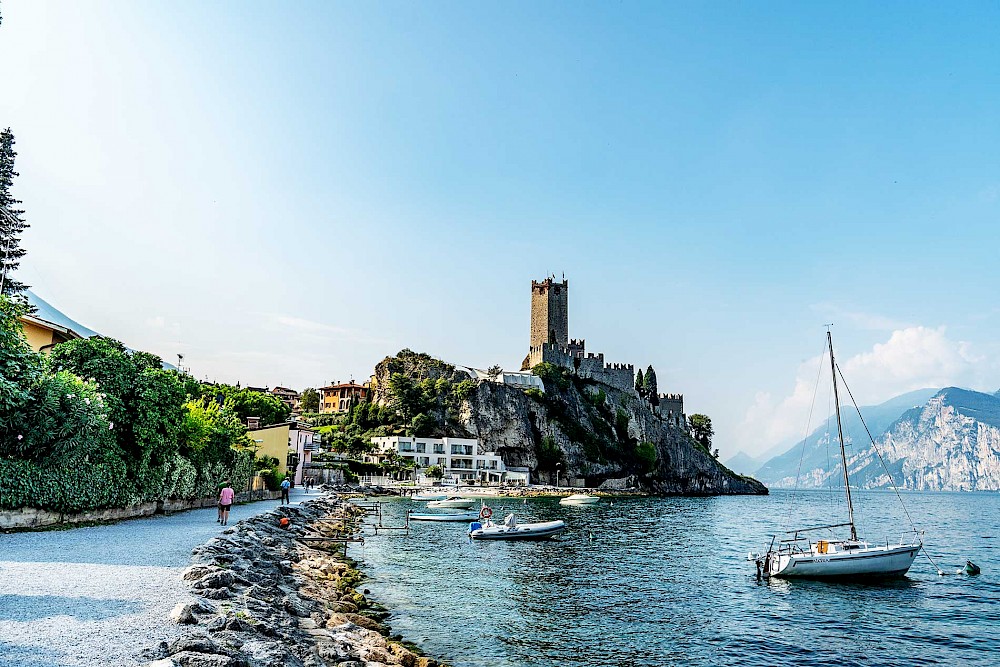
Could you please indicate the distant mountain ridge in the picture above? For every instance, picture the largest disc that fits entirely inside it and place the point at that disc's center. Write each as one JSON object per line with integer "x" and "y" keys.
{"x": 821, "y": 445}
{"x": 948, "y": 442}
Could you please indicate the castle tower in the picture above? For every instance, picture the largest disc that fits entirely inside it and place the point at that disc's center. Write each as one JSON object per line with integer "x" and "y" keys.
{"x": 549, "y": 312}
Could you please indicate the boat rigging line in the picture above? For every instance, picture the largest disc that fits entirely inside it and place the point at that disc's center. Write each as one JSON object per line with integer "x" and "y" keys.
{"x": 892, "y": 482}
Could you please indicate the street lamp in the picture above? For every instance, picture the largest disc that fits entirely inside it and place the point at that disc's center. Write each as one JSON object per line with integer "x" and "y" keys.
{"x": 558, "y": 466}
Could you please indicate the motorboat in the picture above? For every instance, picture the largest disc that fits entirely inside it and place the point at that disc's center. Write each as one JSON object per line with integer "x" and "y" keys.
{"x": 444, "y": 516}
{"x": 510, "y": 529}
{"x": 580, "y": 499}
{"x": 424, "y": 497}
{"x": 454, "y": 502}
{"x": 798, "y": 555}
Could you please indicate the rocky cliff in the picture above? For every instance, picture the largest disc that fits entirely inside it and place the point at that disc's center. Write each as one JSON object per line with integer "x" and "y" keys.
{"x": 594, "y": 432}
{"x": 950, "y": 443}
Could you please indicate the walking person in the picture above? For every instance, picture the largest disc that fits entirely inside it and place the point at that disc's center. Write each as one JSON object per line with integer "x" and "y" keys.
{"x": 221, "y": 487}
{"x": 226, "y": 497}
{"x": 285, "y": 485}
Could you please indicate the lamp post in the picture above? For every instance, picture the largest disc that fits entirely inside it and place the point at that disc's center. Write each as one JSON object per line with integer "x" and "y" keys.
{"x": 558, "y": 466}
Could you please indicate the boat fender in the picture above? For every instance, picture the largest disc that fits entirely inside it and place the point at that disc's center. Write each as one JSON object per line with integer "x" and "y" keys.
{"x": 485, "y": 513}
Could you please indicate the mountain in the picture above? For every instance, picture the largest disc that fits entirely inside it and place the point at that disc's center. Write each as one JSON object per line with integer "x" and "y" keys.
{"x": 821, "y": 450}
{"x": 950, "y": 443}
{"x": 743, "y": 463}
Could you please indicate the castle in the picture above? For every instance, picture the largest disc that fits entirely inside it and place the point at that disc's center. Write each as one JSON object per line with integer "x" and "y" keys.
{"x": 550, "y": 342}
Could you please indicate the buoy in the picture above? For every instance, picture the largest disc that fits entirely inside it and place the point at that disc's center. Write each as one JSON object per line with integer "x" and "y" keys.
{"x": 285, "y": 522}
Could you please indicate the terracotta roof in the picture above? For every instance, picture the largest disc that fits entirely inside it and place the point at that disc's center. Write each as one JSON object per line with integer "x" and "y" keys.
{"x": 343, "y": 385}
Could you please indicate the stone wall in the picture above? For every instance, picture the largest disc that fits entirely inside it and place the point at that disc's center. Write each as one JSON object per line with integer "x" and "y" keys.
{"x": 28, "y": 518}
{"x": 671, "y": 408}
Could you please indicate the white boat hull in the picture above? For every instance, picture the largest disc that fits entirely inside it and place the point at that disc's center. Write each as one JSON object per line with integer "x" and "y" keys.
{"x": 525, "y": 531}
{"x": 879, "y": 561}
{"x": 424, "y": 497}
{"x": 454, "y": 504}
{"x": 445, "y": 516}
{"x": 580, "y": 500}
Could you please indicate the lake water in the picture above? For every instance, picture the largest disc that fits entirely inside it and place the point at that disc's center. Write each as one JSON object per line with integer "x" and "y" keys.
{"x": 644, "y": 581}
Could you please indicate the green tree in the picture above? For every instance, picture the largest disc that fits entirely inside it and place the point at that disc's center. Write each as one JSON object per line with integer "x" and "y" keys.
{"x": 12, "y": 223}
{"x": 646, "y": 453}
{"x": 649, "y": 383}
{"x": 245, "y": 403}
{"x": 640, "y": 385}
{"x": 20, "y": 371}
{"x": 309, "y": 400}
{"x": 434, "y": 472}
{"x": 701, "y": 430}
{"x": 494, "y": 371}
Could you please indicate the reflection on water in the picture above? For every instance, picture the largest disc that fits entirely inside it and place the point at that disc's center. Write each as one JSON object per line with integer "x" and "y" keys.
{"x": 666, "y": 581}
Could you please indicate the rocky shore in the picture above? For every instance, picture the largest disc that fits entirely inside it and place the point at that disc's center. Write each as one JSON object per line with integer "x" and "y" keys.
{"x": 268, "y": 595}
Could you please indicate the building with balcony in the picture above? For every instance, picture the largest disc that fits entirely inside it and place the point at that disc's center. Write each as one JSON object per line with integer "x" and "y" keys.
{"x": 459, "y": 458}
{"x": 339, "y": 397}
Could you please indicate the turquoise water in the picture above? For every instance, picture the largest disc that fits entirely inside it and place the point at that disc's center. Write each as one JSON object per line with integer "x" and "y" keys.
{"x": 665, "y": 581}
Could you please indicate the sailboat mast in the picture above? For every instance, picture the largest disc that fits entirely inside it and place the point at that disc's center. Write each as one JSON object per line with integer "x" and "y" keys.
{"x": 840, "y": 434}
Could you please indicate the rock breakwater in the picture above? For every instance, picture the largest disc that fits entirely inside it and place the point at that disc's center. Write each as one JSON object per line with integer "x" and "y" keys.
{"x": 268, "y": 595}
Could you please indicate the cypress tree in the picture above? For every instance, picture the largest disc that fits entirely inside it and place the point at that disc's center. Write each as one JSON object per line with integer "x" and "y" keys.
{"x": 650, "y": 385}
{"x": 639, "y": 385}
{"x": 11, "y": 221}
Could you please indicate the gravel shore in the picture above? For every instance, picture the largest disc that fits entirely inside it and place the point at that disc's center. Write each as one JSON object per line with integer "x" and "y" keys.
{"x": 99, "y": 595}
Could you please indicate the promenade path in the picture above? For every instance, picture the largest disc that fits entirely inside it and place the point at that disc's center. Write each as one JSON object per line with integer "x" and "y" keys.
{"x": 101, "y": 595}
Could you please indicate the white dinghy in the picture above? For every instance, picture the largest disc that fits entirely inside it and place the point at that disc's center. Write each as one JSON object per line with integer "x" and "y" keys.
{"x": 510, "y": 529}
{"x": 580, "y": 499}
{"x": 445, "y": 516}
{"x": 796, "y": 555}
{"x": 454, "y": 502}
{"x": 424, "y": 497}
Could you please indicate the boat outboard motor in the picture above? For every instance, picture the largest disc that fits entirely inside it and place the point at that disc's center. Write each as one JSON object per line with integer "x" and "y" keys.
{"x": 474, "y": 526}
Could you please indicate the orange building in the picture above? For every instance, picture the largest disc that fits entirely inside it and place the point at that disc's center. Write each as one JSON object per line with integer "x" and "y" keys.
{"x": 338, "y": 397}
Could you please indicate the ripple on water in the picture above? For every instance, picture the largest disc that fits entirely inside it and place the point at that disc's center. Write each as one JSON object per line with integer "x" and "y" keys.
{"x": 665, "y": 581}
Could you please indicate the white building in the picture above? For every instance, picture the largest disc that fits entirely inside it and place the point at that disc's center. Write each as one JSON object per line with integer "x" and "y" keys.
{"x": 460, "y": 458}
{"x": 516, "y": 379}
{"x": 303, "y": 440}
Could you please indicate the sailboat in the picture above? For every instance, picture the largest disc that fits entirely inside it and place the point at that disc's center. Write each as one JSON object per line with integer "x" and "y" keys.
{"x": 797, "y": 555}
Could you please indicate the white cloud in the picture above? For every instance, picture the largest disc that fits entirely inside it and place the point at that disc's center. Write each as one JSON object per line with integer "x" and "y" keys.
{"x": 912, "y": 358}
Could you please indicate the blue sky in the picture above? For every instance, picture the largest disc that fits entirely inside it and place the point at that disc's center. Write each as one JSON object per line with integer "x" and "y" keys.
{"x": 288, "y": 192}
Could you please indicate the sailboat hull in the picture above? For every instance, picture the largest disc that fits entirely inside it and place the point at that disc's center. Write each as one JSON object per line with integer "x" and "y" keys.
{"x": 872, "y": 562}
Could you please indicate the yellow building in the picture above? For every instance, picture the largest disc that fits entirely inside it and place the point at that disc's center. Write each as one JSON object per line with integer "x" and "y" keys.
{"x": 42, "y": 335}
{"x": 47, "y": 326}
{"x": 338, "y": 397}
{"x": 272, "y": 441}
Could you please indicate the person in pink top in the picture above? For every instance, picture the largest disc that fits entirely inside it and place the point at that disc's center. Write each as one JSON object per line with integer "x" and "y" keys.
{"x": 226, "y": 497}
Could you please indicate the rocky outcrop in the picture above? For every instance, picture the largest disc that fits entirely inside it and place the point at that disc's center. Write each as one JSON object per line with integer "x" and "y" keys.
{"x": 587, "y": 430}
{"x": 598, "y": 432}
{"x": 265, "y": 597}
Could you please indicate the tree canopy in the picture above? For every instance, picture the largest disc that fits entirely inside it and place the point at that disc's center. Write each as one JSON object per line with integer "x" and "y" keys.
{"x": 309, "y": 400}
{"x": 701, "y": 429}
{"x": 12, "y": 223}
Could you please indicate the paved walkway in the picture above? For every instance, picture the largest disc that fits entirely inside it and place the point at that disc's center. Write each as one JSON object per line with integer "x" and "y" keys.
{"x": 99, "y": 596}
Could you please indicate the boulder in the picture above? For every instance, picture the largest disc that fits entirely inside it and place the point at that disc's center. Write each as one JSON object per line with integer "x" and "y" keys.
{"x": 183, "y": 613}
{"x": 216, "y": 579}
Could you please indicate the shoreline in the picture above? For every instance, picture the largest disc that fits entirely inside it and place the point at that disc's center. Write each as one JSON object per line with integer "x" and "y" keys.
{"x": 266, "y": 594}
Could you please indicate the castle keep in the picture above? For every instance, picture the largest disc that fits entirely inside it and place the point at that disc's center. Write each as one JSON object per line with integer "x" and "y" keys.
{"x": 550, "y": 342}
{"x": 549, "y": 312}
